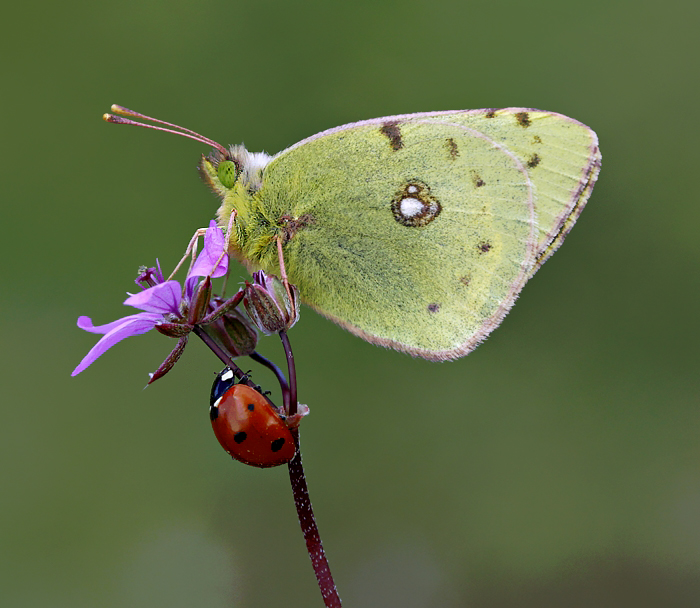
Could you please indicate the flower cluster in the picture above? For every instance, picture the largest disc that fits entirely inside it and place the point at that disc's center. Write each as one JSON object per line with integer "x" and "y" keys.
{"x": 176, "y": 311}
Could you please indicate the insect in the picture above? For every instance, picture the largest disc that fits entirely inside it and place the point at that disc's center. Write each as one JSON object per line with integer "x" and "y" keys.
{"x": 415, "y": 232}
{"x": 246, "y": 425}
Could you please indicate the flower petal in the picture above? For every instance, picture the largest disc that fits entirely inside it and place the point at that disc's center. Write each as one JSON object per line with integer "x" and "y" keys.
{"x": 191, "y": 283}
{"x": 206, "y": 263}
{"x": 118, "y": 330}
{"x": 163, "y": 298}
{"x": 86, "y": 322}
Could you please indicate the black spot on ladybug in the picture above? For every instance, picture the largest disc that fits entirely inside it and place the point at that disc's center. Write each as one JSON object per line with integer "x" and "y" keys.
{"x": 434, "y": 307}
{"x": 523, "y": 119}
{"x": 277, "y": 444}
{"x": 484, "y": 247}
{"x": 533, "y": 161}
{"x": 251, "y": 407}
{"x": 213, "y": 412}
{"x": 452, "y": 149}
{"x": 491, "y": 113}
{"x": 240, "y": 437}
{"x": 392, "y": 131}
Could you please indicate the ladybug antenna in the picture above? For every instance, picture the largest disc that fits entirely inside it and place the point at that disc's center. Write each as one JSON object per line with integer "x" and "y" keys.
{"x": 121, "y": 111}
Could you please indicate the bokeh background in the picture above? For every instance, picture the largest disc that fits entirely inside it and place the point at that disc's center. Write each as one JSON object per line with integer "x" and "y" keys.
{"x": 558, "y": 465}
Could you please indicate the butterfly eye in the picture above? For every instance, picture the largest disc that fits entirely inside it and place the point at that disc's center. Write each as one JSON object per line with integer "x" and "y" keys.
{"x": 227, "y": 173}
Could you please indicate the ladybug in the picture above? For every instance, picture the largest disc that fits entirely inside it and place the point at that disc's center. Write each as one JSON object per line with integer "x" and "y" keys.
{"x": 246, "y": 425}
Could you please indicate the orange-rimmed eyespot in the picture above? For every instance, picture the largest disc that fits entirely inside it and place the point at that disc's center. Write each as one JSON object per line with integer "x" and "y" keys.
{"x": 247, "y": 426}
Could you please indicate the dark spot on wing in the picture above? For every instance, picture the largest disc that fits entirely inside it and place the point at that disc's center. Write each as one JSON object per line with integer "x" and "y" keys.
{"x": 484, "y": 247}
{"x": 536, "y": 139}
{"x": 491, "y": 113}
{"x": 452, "y": 149}
{"x": 523, "y": 119}
{"x": 392, "y": 131}
{"x": 290, "y": 225}
{"x": 465, "y": 280}
{"x": 476, "y": 180}
{"x": 533, "y": 161}
{"x": 434, "y": 307}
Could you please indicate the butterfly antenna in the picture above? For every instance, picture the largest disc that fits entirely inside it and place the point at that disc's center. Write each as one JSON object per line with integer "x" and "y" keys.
{"x": 120, "y": 114}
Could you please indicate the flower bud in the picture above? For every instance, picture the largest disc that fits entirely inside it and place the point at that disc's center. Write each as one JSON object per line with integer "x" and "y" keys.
{"x": 268, "y": 303}
{"x": 240, "y": 335}
{"x": 232, "y": 330}
{"x": 173, "y": 330}
{"x": 200, "y": 303}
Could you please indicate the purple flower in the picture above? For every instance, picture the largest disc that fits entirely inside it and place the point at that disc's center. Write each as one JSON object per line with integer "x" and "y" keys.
{"x": 163, "y": 304}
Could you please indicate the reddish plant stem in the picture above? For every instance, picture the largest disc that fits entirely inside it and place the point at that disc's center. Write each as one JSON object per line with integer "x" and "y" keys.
{"x": 312, "y": 537}
{"x": 300, "y": 490}
{"x": 258, "y": 358}
{"x": 222, "y": 354}
{"x": 291, "y": 407}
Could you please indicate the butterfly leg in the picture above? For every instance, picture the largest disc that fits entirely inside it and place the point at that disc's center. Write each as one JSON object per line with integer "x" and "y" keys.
{"x": 191, "y": 250}
{"x": 283, "y": 272}
{"x": 229, "y": 229}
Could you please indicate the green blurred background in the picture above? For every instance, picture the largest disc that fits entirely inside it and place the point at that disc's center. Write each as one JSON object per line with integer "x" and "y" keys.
{"x": 558, "y": 465}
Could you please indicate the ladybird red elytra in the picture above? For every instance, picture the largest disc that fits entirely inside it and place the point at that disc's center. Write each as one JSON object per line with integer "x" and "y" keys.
{"x": 247, "y": 426}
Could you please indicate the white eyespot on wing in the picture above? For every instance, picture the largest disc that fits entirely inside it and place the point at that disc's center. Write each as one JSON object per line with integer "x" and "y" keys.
{"x": 413, "y": 205}
{"x": 410, "y": 207}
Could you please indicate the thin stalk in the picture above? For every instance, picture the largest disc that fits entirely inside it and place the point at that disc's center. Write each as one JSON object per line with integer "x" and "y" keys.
{"x": 284, "y": 385}
{"x": 292, "y": 406}
{"x": 221, "y": 353}
{"x": 307, "y": 521}
{"x": 302, "y": 502}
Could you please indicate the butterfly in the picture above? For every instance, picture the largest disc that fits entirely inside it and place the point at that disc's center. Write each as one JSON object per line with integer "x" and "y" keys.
{"x": 415, "y": 232}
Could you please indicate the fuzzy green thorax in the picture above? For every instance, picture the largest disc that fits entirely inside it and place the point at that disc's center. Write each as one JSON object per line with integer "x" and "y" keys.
{"x": 256, "y": 226}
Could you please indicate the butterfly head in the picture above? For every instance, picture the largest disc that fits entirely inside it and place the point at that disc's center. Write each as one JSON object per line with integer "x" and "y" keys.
{"x": 236, "y": 168}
